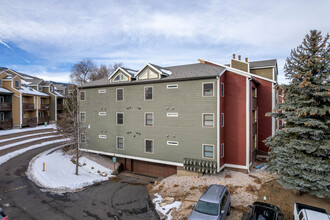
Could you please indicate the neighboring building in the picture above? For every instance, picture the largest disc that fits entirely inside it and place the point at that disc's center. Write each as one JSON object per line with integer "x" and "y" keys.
{"x": 28, "y": 100}
{"x": 156, "y": 119}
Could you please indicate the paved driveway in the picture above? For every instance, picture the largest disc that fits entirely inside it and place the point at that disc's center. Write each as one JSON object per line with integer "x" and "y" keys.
{"x": 21, "y": 199}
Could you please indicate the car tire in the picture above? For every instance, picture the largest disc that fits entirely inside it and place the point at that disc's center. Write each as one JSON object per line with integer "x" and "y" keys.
{"x": 229, "y": 210}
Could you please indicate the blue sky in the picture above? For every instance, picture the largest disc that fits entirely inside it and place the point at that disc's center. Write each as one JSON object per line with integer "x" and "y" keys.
{"x": 45, "y": 38}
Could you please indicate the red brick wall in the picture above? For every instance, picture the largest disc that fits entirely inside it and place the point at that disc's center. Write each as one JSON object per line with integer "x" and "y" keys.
{"x": 264, "y": 105}
{"x": 234, "y": 107}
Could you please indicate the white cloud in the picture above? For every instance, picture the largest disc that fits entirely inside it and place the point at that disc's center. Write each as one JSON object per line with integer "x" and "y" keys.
{"x": 3, "y": 43}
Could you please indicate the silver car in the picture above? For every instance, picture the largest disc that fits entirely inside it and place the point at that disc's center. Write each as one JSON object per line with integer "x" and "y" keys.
{"x": 214, "y": 204}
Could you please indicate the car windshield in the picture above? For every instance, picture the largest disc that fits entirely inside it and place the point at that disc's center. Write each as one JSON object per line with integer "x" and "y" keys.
{"x": 207, "y": 208}
{"x": 263, "y": 213}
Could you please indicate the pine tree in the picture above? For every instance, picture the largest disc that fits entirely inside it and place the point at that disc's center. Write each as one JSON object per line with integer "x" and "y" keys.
{"x": 300, "y": 151}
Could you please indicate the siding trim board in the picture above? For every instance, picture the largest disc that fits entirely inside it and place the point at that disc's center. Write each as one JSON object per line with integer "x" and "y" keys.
{"x": 248, "y": 122}
{"x": 218, "y": 125}
{"x": 134, "y": 158}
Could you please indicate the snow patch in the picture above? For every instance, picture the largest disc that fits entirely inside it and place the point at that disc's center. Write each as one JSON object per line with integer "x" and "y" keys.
{"x": 28, "y": 135}
{"x": 59, "y": 175}
{"x": 27, "y": 141}
{"x": 165, "y": 210}
{"x": 168, "y": 72}
{"x": 6, "y": 157}
{"x": 14, "y": 131}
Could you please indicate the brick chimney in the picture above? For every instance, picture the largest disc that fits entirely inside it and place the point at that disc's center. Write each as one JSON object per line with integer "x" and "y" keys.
{"x": 239, "y": 57}
{"x": 233, "y": 56}
{"x": 246, "y": 59}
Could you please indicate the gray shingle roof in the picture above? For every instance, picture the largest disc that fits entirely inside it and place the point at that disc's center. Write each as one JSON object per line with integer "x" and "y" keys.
{"x": 262, "y": 63}
{"x": 184, "y": 72}
{"x": 131, "y": 72}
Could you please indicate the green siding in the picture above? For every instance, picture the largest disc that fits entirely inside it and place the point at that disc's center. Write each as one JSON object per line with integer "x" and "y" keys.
{"x": 187, "y": 128}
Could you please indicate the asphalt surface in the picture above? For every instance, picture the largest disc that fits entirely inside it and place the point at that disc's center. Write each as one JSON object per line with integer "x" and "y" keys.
{"x": 124, "y": 198}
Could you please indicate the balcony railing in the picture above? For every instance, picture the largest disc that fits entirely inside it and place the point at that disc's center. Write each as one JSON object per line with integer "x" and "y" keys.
{"x": 31, "y": 122}
{"x": 44, "y": 107}
{"x": 6, "y": 106}
{"x": 28, "y": 106}
{"x": 42, "y": 120}
{"x": 60, "y": 107}
{"x": 254, "y": 128}
{"x": 254, "y": 103}
{"x": 6, "y": 124}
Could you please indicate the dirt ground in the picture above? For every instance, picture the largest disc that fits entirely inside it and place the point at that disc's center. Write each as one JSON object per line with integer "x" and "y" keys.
{"x": 244, "y": 188}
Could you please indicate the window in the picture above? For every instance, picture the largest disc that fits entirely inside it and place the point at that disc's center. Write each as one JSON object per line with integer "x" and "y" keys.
{"x": 208, "y": 151}
{"x": 120, "y": 95}
{"x": 147, "y": 93}
{"x": 222, "y": 119}
{"x": 2, "y": 99}
{"x": 222, "y": 90}
{"x": 82, "y": 96}
{"x": 120, "y": 143}
{"x": 82, "y": 138}
{"x": 120, "y": 118}
{"x": 120, "y": 77}
{"x": 102, "y": 90}
{"x": 102, "y": 113}
{"x": 208, "y": 120}
{"x": 149, "y": 146}
{"x": 207, "y": 89}
{"x": 172, "y": 114}
{"x": 52, "y": 89}
{"x": 174, "y": 143}
{"x": 149, "y": 119}
{"x": 223, "y": 202}
{"x": 2, "y": 116}
{"x": 173, "y": 86}
{"x": 0, "y": 82}
{"x": 83, "y": 116}
{"x": 102, "y": 136}
{"x": 222, "y": 150}
{"x": 148, "y": 74}
{"x": 40, "y": 88}
{"x": 16, "y": 83}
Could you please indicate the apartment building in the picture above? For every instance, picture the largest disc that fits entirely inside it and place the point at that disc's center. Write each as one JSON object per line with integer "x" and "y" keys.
{"x": 160, "y": 119}
{"x": 26, "y": 100}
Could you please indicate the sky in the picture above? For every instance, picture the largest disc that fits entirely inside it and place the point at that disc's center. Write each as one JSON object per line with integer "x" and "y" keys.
{"x": 45, "y": 38}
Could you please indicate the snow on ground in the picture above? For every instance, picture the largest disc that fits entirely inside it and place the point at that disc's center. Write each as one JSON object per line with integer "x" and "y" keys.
{"x": 28, "y": 135}
{"x": 59, "y": 175}
{"x": 12, "y": 131}
{"x": 26, "y": 141}
{"x": 5, "y": 158}
{"x": 165, "y": 209}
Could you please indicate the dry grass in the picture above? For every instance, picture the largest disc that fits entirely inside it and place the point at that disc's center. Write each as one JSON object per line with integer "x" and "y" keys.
{"x": 193, "y": 188}
{"x": 227, "y": 176}
{"x": 232, "y": 189}
{"x": 175, "y": 185}
{"x": 251, "y": 188}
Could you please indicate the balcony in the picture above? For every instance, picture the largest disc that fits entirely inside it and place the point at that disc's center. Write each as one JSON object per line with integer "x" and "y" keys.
{"x": 28, "y": 106}
{"x": 6, "y": 106}
{"x": 42, "y": 120}
{"x": 31, "y": 122}
{"x": 254, "y": 128}
{"x": 6, "y": 124}
{"x": 59, "y": 107}
{"x": 254, "y": 103}
{"x": 44, "y": 107}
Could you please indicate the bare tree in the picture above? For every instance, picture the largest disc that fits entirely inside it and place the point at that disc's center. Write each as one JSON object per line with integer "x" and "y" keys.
{"x": 81, "y": 72}
{"x": 100, "y": 73}
{"x": 68, "y": 122}
{"x": 112, "y": 68}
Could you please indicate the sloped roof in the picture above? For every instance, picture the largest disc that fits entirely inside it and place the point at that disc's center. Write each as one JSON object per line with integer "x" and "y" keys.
{"x": 183, "y": 72}
{"x": 5, "y": 91}
{"x": 262, "y": 63}
{"x": 131, "y": 72}
{"x": 31, "y": 91}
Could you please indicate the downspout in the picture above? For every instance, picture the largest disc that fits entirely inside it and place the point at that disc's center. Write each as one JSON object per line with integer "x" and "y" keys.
{"x": 218, "y": 125}
{"x": 248, "y": 122}
{"x": 37, "y": 110}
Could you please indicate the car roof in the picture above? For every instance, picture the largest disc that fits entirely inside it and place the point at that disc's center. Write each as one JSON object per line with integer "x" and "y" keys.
{"x": 213, "y": 193}
{"x": 316, "y": 215}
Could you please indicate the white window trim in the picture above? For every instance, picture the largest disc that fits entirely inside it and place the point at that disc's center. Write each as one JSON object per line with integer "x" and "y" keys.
{"x": 203, "y": 120}
{"x": 102, "y": 91}
{"x": 203, "y": 89}
{"x": 85, "y": 117}
{"x": 145, "y": 93}
{"x": 117, "y": 95}
{"x": 175, "y": 86}
{"x": 173, "y": 144}
{"x": 172, "y": 114}
{"x": 84, "y": 96}
{"x": 117, "y": 142}
{"x": 145, "y": 146}
{"x": 117, "y": 118}
{"x": 102, "y": 136}
{"x": 102, "y": 113}
{"x": 222, "y": 122}
{"x": 84, "y": 137}
{"x": 145, "y": 119}
{"x": 222, "y": 150}
{"x": 222, "y": 88}
{"x": 203, "y": 151}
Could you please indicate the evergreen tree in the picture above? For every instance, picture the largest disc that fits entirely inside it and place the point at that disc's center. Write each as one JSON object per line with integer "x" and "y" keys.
{"x": 300, "y": 151}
